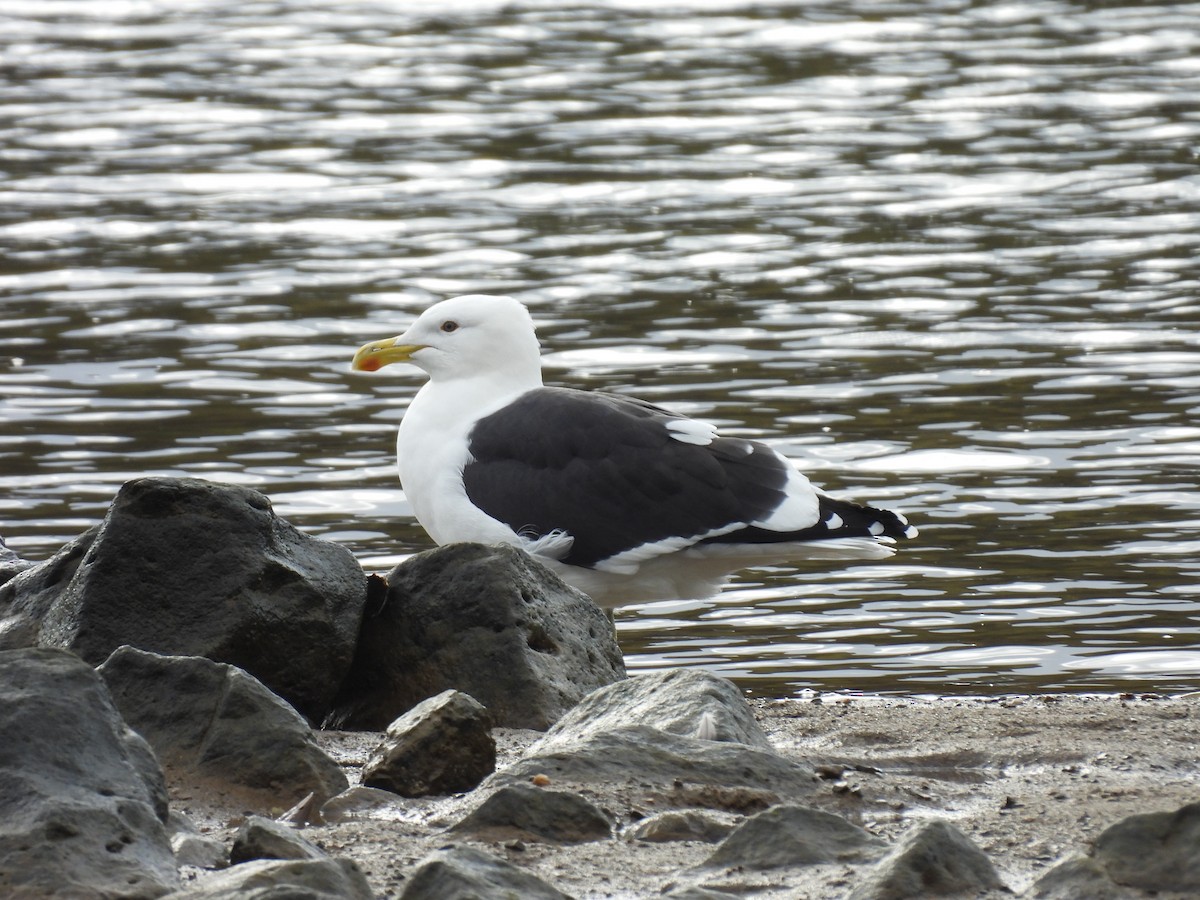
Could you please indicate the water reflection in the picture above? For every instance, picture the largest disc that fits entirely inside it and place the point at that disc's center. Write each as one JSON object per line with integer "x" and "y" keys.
{"x": 944, "y": 257}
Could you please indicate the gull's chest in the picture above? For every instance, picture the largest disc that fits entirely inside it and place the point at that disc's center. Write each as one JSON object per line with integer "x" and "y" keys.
{"x": 432, "y": 448}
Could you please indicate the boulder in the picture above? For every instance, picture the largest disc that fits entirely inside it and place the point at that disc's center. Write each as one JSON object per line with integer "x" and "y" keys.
{"x": 1157, "y": 851}
{"x": 186, "y": 567}
{"x": 687, "y": 702}
{"x": 932, "y": 860}
{"x": 215, "y": 726}
{"x": 645, "y": 754}
{"x": 661, "y": 728}
{"x": 11, "y": 563}
{"x": 313, "y": 879}
{"x": 489, "y": 621}
{"x": 82, "y": 803}
{"x": 260, "y": 838}
{"x": 461, "y": 873}
{"x": 442, "y": 745}
{"x": 27, "y": 595}
{"x": 524, "y": 812}
{"x": 795, "y": 836}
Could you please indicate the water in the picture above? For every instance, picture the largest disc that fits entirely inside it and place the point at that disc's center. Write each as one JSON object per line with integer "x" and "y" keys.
{"x": 941, "y": 253}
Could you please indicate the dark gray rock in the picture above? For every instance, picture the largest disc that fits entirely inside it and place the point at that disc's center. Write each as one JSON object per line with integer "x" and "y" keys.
{"x": 82, "y": 802}
{"x": 524, "y": 812}
{"x": 488, "y": 621}
{"x": 1154, "y": 851}
{"x": 214, "y": 726}
{"x": 260, "y": 838}
{"x": 186, "y": 567}
{"x": 11, "y": 563}
{"x": 645, "y": 754}
{"x": 461, "y": 873}
{"x": 1077, "y": 878}
{"x": 795, "y": 836}
{"x": 442, "y": 745}
{"x": 932, "y": 860}
{"x": 682, "y": 825}
{"x": 688, "y": 702}
{"x": 27, "y": 595}
{"x": 323, "y": 879}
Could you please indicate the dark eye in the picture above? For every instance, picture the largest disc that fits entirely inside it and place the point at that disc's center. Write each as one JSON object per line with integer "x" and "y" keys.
{"x": 449, "y": 326}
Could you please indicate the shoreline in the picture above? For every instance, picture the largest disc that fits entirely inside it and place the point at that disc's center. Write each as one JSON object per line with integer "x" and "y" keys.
{"x": 1031, "y": 780}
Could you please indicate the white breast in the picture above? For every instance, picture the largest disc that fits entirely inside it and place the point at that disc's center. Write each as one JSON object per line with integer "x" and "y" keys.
{"x": 431, "y": 450}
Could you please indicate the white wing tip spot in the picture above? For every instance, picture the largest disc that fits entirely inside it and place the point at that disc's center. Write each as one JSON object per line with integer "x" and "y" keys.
{"x": 690, "y": 431}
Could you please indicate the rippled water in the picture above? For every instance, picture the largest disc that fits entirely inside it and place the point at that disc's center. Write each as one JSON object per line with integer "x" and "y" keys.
{"x": 942, "y": 253}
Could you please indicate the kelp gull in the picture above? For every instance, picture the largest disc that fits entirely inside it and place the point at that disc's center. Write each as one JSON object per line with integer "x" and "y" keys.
{"x": 624, "y": 500}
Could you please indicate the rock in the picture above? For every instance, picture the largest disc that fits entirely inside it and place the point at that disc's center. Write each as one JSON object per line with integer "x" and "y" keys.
{"x": 687, "y": 702}
{"x": 213, "y": 725}
{"x": 488, "y": 621}
{"x": 681, "y": 825}
{"x": 1076, "y": 878}
{"x": 361, "y": 803}
{"x": 442, "y": 745}
{"x": 11, "y": 563}
{"x": 199, "y": 851}
{"x": 27, "y": 595}
{"x": 643, "y": 729}
{"x": 932, "y": 860}
{"x": 260, "y": 838}
{"x": 82, "y": 803}
{"x": 461, "y": 873}
{"x": 1154, "y": 851}
{"x": 795, "y": 836}
{"x": 524, "y": 812}
{"x": 186, "y": 567}
{"x": 645, "y": 754}
{"x": 314, "y": 879}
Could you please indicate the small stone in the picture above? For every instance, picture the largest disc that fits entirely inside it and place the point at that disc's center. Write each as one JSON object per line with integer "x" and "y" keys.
{"x": 361, "y": 802}
{"x": 795, "y": 836}
{"x": 443, "y": 745}
{"x": 933, "y": 860}
{"x": 682, "y": 825}
{"x": 199, "y": 851}
{"x": 1077, "y": 878}
{"x": 462, "y": 872}
{"x": 535, "y": 814}
{"x": 261, "y": 838}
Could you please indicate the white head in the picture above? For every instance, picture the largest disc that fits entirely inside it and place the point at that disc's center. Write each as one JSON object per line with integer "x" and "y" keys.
{"x": 466, "y": 337}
